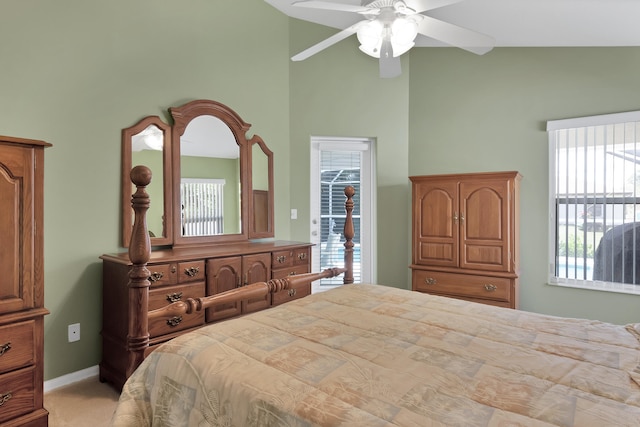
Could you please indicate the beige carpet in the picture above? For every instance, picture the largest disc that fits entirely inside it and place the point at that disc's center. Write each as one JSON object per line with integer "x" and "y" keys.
{"x": 85, "y": 403}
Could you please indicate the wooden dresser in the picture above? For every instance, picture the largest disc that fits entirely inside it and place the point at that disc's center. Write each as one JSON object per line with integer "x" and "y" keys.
{"x": 465, "y": 236}
{"x": 198, "y": 271}
{"x": 22, "y": 283}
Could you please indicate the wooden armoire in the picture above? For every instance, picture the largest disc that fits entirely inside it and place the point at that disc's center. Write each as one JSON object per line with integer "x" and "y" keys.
{"x": 21, "y": 283}
{"x": 465, "y": 236}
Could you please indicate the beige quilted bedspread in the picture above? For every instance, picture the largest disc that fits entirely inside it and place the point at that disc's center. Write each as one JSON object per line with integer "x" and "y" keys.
{"x": 370, "y": 355}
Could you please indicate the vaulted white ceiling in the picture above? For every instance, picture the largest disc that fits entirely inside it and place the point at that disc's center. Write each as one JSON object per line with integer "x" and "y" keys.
{"x": 514, "y": 23}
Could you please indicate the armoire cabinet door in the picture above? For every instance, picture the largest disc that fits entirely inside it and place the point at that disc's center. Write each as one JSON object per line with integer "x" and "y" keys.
{"x": 484, "y": 225}
{"x": 435, "y": 219}
{"x": 16, "y": 229}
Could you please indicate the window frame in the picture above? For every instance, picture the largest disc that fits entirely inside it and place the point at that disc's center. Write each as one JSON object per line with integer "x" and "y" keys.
{"x": 553, "y": 126}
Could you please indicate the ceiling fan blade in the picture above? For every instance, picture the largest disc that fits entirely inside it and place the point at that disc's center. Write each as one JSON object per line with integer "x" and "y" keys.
{"x": 327, "y": 5}
{"x": 423, "y": 5}
{"x": 389, "y": 66}
{"x": 339, "y": 36}
{"x": 454, "y": 35}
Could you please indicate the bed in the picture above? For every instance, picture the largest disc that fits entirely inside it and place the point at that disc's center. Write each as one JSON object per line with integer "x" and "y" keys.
{"x": 373, "y": 355}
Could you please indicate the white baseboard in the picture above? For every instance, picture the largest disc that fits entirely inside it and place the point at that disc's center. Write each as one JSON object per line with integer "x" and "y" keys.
{"x": 71, "y": 378}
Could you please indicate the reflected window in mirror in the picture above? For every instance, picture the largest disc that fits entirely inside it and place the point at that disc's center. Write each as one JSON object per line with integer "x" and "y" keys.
{"x": 209, "y": 151}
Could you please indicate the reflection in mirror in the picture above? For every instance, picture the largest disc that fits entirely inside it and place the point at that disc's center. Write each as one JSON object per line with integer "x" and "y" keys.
{"x": 147, "y": 149}
{"x": 210, "y": 189}
{"x": 148, "y": 143}
{"x": 262, "y": 190}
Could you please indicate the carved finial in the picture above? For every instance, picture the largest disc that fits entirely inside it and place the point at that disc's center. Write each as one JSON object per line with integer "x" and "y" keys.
{"x": 140, "y": 176}
{"x": 349, "y": 233}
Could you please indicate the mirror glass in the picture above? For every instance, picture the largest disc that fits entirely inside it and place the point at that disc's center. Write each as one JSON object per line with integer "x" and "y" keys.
{"x": 262, "y": 190}
{"x": 147, "y": 149}
{"x": 148, "y": 143}
{"x": 210, "y": 185}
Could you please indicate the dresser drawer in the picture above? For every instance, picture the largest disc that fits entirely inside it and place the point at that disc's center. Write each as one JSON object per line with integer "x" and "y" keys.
{"x": 291, "y": 294}
{"x": 292, "y": 271}
{"x": 163, "y": 274}
{"x": 159, "y": 297}
{"x": 280, "y": 259}
{"x": 16, "y": 346}
{"x": 190, "y": 271}
{"x": 301, "y": 256}
{"x": 485, "y": 287}
{"x": 17, "y": 393}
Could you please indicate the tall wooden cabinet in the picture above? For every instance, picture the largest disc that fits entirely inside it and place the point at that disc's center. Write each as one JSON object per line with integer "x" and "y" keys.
{"x": 465, "y": 236}
{"x": 21, "y": 283}
{"x": 191, "y": 272}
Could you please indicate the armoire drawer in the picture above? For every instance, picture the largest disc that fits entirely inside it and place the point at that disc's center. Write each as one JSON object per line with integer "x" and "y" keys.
{"x": 17, "y": 345}
{"x": 465, "y": 285}
{"x": 17, "y": 393}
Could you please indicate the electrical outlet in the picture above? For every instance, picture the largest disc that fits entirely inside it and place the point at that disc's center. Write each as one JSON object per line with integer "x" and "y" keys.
{"x": 74, "y": 332}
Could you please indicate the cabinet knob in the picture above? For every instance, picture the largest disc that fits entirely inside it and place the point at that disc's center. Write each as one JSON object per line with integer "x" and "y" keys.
{"x": 490, "y": 288}
{"x": 155, "y": 276}
{"x": 4, "y": 348}
{"x": 5, "y": 398}
{"x": 281, "y": 259}
{"x": 302, "y": 256}
{"x": 292, "y": 292}
{"x": 176, "y": 296}
{"x": 174, "y": 321}
{"x": 430, "y": 281}
{"x": 191, "y": 271}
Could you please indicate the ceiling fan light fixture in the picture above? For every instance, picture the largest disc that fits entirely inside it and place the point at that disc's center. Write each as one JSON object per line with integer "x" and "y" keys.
{"x": 402, "y": 32}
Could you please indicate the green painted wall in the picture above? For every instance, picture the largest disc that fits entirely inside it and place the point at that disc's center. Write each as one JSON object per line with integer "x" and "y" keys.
{"x": 471, "y": 113}
{"x": 338, "y": 93}
{"x": 74, "y": 73}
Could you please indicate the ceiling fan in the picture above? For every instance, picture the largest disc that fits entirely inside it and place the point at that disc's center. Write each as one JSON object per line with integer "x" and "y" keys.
{"x": 389, "y": 27}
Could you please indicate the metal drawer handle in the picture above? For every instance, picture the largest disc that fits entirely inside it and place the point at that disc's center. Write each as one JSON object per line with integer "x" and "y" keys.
{"x": 4, "y": 348}
{"x": 281, "y": 259}
{"x": 430, "y": 281}
{"x": 5, "y": 398}
{"x": 191, "y": 271}
{"x": 490, "y": 288}
{"x": 302, "y": 256}
{"x": 155, "y": 276}
{"x": 176, "y": 296}
{"x": 174, "y": 321}
{"x": 292, "y": 292}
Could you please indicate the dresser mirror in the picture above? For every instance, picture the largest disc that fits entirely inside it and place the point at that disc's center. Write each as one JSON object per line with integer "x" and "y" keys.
{"x": 262, "y": 189}
{"x": 210, "y": 183}
{"x": 148, "y": 143}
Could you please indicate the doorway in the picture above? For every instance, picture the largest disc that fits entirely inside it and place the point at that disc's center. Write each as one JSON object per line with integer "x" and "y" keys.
{"x": 335, "y": 164}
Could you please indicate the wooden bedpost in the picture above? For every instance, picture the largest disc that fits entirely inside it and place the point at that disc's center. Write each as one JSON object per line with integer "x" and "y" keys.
{"x": 349, "y": 232}
{"x": 139, "y": 254}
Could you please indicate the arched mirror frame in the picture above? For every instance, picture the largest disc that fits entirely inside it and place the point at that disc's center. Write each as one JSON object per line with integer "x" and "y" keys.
{"x": 182, "y": 116}
{"x": 171, "y": 174}
{"x": 262, "y": 214}
{"x": 164, "y": 174}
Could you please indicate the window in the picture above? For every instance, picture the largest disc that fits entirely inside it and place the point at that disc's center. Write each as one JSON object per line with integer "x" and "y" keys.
{"x": 595, "y": 202}
{"x": 202, "y": 207}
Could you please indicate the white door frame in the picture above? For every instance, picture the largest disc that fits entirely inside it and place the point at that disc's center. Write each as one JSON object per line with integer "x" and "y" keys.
{"x": 367, "y": 200}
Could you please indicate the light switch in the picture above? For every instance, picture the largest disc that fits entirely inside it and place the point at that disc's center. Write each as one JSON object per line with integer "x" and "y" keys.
{"x": 294, "y": 213}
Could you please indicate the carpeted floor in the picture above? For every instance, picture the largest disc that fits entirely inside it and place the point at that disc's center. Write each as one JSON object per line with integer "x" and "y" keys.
{"x": 84, "y": 403}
